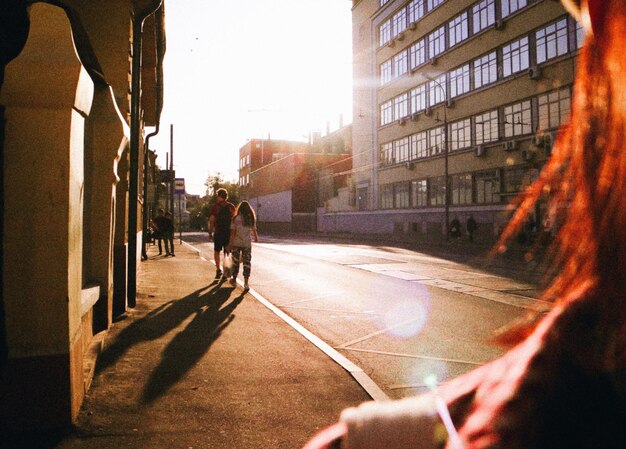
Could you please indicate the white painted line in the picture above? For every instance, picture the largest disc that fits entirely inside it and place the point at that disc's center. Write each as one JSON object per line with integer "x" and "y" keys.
{"x": 318, "y": 309}
{"x": 314, "y": 298}
{"x": 191, "y": 247}
{"x": 363, "y": 379}
{"x": 374, "y": 334}
{"x": 414, "y": 356}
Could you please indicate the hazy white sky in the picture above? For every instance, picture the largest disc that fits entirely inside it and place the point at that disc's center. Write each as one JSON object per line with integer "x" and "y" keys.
{"x": 241, "y": 69}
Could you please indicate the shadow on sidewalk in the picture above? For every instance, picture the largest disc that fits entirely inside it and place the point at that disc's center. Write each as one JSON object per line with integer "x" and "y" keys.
{"x": 209, "y": 317}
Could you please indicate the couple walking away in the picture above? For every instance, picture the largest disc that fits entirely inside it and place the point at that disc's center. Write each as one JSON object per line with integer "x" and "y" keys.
{"x": 232, "y": 230}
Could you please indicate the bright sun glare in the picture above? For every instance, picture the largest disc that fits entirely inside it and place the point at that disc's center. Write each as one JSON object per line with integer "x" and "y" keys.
{"x": 248, "y": 69}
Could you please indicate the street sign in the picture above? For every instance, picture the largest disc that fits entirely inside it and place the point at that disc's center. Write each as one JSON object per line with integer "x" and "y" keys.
{"x": 179, "y": 186}
{"x": 167, "y": 175}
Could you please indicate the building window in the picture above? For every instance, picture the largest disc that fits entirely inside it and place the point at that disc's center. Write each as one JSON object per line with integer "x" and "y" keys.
{"x": 483, "y": 15}
{"x": 386, "y": 72}
{"x": 437, "y": 191}
{"x": 458, "y": 29}
{"x": 485, "y": 70}
{"x": 486, "y": 127}
{"x": 510, "y": 6}
{"x": 580, "y": 34}
{"x": 461, "y": 189}
{"x": 400, "y": 63}
{"x": 386, "y": 154}
{"x": 432, "y": 4}
{"x": 384, "y": 33}
{"x": 401, "y": 106}
{"x": 514, "y": 180}
{"x": 415, "y": 10}
{"x": 437, "y": 42}
{"x": 386, "y": 113}
{"x": 517, "y": 119}
{"x": 401, "y": 195}
{"x": 382, "y": 2}
{"x": 418, "y": 53}
{"x": 399, "y": 22}
{"x": 437, "y": 90}
{"x": 515, "y": 56}
{"x": 418, "y": 98}
{"x": 460, "y": 81}
{"x": 402, "y": 149}
{"x": 419, "y": 193}
{"x": 419, "y": 145}
{"x": 460, "y": 134}
{"x": 554, "y": 108}
{"x": 487, "y": 187}
{"x": 386, "y": 196}
{"x": 551, "y": 41}
{"x": 436, "y": 141}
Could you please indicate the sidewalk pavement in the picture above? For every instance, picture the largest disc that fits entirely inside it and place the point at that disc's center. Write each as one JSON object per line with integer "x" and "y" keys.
{"x": 197, "y": 364}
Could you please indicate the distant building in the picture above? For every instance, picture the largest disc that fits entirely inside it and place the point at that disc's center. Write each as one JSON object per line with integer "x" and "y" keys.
{"x": 281, "y": 181}
{"x": 482, "y": 85}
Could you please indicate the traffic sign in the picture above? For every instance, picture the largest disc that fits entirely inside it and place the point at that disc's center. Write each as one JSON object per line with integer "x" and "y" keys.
{"x": 179, "y": 186}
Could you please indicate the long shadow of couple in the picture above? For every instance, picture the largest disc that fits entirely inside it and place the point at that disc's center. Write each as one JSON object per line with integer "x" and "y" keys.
{"x": 209, "y": 317}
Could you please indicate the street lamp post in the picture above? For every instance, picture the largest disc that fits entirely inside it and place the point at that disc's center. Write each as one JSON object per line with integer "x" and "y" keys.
{"x": 446, "y": 177}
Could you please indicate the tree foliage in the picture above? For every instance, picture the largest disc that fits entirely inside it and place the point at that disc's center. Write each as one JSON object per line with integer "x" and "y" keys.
{"x": 199, "y": 210}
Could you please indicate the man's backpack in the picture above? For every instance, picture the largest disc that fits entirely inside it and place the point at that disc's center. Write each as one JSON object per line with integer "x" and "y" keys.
{"x": 224, "y": 218}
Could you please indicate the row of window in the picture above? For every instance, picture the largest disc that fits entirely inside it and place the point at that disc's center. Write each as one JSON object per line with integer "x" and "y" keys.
{"x": 402, "y": 19}
{"x": 244, "y": 180}
{"x": 543, "y": 112}
{"x": 479, "y": 16}
{"x": 485, "y": 187}
{"x": 503, "y": 62}
{"x": 555, "y": 39}
{"x": 244, "y": 161}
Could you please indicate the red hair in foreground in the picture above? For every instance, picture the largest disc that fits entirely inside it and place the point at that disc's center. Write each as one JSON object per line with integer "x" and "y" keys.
{"x": 564, "y": 385}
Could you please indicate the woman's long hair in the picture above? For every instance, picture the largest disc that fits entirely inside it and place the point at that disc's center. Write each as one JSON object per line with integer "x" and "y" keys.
{"x": 247, "y": 213}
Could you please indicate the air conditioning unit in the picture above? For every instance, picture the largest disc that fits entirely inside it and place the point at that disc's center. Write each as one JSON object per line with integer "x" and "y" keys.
{"x": 409, "y": 165}
{"x": 499, "y": 24}
{"x": 402, "y": 121}
{"x": 400, "y": 36}
{"x": 433, "y": 60}
{"x": 528, "y": 155}
{"x": 480, "y": 151}
{"x": 510, "y": 145}
{"x": 413, "y": 26}
{"x": 428, "y": 112}
{"x": 534, "y": 72}
{"x": 449, "y": 103}
{"x": 391, "y": 43}
{"x": 415, "y": 116}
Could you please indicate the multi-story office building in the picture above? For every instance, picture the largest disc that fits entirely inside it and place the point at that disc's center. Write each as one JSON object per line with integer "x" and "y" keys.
{"x": 456, "y": 104}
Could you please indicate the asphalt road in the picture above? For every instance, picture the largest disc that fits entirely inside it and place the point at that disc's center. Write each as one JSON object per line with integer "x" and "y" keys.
{"x": 404, "y": 317}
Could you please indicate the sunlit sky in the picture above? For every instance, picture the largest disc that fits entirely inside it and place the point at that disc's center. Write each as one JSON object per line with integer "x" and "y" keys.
{"x": 238, "y": 70}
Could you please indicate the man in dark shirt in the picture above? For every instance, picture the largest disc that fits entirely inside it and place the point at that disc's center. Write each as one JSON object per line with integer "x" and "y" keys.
{"x": 220, "y": 218}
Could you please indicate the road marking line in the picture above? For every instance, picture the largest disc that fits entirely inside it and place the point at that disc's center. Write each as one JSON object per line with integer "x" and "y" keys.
{"x": 374, "y": 334}
{"x": 413, "y": 356}
{"x": 357, "y": 373}
{"x": 311, "y": 299}
{"x": 317, "y": 309}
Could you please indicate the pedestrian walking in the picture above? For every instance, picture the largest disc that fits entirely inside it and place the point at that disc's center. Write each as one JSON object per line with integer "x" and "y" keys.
{"x": 242, "y": 232}
{"x": 562, "y": 383}
{"x": 159, "y": 224}
{"x": 220, "y": 218}
{"x": 168, "y": 235}
{"x": 471, "y": 226}
{"x": 455, "y": 228}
